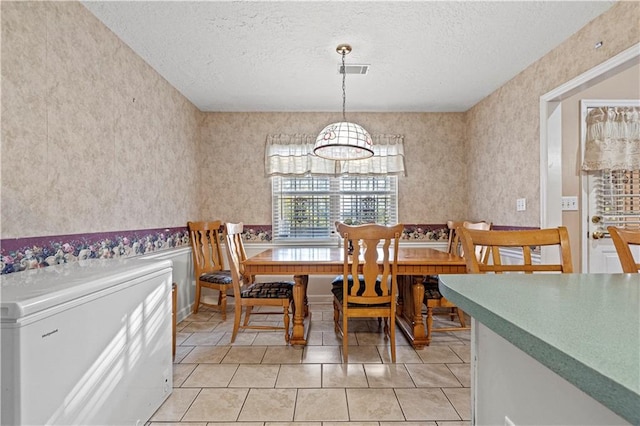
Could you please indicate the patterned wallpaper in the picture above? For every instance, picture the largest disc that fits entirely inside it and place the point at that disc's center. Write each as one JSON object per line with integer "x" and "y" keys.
{"x": 434, "y": 190}
{"x": 93, "y": 139}
{"x": 504, "y": 128}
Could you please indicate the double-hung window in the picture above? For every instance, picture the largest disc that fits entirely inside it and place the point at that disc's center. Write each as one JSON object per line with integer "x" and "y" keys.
{"x": 307, "y": 207}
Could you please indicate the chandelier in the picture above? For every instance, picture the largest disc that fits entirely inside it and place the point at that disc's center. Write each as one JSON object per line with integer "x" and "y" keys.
{"x": 343, "y": 140}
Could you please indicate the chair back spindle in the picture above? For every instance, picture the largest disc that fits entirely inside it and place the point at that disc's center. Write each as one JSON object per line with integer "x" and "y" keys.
{"x": 205, "y": 242}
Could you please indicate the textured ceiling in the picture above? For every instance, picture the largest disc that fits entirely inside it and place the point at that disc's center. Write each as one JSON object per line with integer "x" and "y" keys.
{"x": 425, "y": 56}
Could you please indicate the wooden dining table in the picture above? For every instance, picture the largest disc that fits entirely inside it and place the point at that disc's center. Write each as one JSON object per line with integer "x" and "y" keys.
{"x": 413, "y": 264}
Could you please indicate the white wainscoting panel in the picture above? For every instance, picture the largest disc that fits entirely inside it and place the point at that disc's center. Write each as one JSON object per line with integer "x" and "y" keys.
{"x": 183, "y": 276}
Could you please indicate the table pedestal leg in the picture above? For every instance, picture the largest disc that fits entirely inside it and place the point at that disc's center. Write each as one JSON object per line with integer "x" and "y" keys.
{"x": 429, "y": 323}
{"x": 305, "y": 283}
{"x": 409, "y": 316}
{"x": 419, "y": 334}
{"x": 301, "y": 310}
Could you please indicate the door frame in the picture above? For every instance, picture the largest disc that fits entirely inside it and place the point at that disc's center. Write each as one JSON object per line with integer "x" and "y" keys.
{"x": 551, "y": 135}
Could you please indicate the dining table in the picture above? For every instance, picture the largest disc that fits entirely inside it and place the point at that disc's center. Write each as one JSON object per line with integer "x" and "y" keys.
{"x": 413, "y": 264}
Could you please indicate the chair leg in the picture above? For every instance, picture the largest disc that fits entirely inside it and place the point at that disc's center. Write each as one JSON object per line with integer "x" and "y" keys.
{"x": 386, "y": 327}
{"x": 236, "y": 322}
{"x": 429, "y": 324}
{"x": 345, "y": 339}
{"x": 196, "y": 304}
{"x": 393, "y": 339}
{"x": 222, "y": 301}
{"x": 452, "y": 313}
{"x": 336, "y": 316}
{"x": 247, "y": 315}
{"x": 463, "y": 322}
{"x": 286, "y": 323}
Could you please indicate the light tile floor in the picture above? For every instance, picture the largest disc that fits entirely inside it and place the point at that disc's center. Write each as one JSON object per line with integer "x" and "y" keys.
{"x": 260, "y": 380}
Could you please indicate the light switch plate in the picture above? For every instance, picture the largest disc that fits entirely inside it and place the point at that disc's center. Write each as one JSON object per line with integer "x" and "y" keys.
{"x": 569, "y": 203}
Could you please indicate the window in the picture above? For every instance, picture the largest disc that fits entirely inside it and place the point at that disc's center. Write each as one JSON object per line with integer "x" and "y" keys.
{"x": 618, "y": 198}
{"x": 611, "y": 130}
{"x": 307, "y": 207}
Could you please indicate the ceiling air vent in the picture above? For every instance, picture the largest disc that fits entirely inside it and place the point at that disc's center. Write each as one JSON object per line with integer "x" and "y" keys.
{"x": 353, "y": 69}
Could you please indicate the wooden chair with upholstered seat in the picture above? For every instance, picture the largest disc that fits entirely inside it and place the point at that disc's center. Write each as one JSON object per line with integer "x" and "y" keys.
{"x": 623, "y": 239}
{"x": 248, "y": 294}
{"x": 523, "y": 242}
{"x": 374, "y": 262}
{"x": 433, "y": 300}
{"x": 208, "y": 264}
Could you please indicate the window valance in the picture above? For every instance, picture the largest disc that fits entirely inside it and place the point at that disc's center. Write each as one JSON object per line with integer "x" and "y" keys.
{"x": 292, "y": 155}
{"x": 613, "y": 139}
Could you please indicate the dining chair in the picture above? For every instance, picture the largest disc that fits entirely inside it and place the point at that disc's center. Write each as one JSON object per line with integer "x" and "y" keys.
{"x": 248, "y": 294}
{"x": 433, "y": 299}
{"x": 374, "y": 262}
{"x": 623, "y": 239}
{"x": 208, "y": 264}
{"x": 523, "y": 242}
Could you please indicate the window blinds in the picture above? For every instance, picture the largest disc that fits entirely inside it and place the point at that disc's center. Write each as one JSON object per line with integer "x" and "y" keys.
{"x": 307, "y": 207}
{"x": 618, "y": 198}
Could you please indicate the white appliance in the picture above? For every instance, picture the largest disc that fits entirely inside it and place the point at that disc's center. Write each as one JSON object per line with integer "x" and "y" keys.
{"x": 86, "y": 343}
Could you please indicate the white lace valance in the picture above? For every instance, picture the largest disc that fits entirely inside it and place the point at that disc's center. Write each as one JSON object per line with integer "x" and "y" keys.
{"x": 613, "y": 139}
{"x": 292, "y": 155}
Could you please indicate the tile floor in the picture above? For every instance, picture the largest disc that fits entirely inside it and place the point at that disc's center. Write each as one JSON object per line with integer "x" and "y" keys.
{"x": 259, "y": 380}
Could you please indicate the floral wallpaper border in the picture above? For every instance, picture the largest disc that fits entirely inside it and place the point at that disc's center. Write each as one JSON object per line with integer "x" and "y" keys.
{"x": 38, "y": 252}
{"x": 432, "y": 232}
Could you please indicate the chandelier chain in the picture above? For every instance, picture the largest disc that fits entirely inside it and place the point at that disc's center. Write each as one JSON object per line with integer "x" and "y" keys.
{"x": 344, "y": 92}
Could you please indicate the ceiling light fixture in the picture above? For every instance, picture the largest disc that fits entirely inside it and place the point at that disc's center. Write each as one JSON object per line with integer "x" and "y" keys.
{"x": 343, "y": 140}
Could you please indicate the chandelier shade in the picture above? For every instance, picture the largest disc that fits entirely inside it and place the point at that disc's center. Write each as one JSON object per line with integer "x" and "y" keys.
{"x": 343, "y": 141}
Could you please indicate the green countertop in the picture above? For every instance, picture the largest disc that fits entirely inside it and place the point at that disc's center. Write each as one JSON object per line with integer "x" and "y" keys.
{"x": 584, "y": 327}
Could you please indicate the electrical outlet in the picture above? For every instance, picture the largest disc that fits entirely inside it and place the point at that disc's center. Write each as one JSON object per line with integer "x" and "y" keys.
{"x": 569, "y": 203}
{"x": 521, "y": 204}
